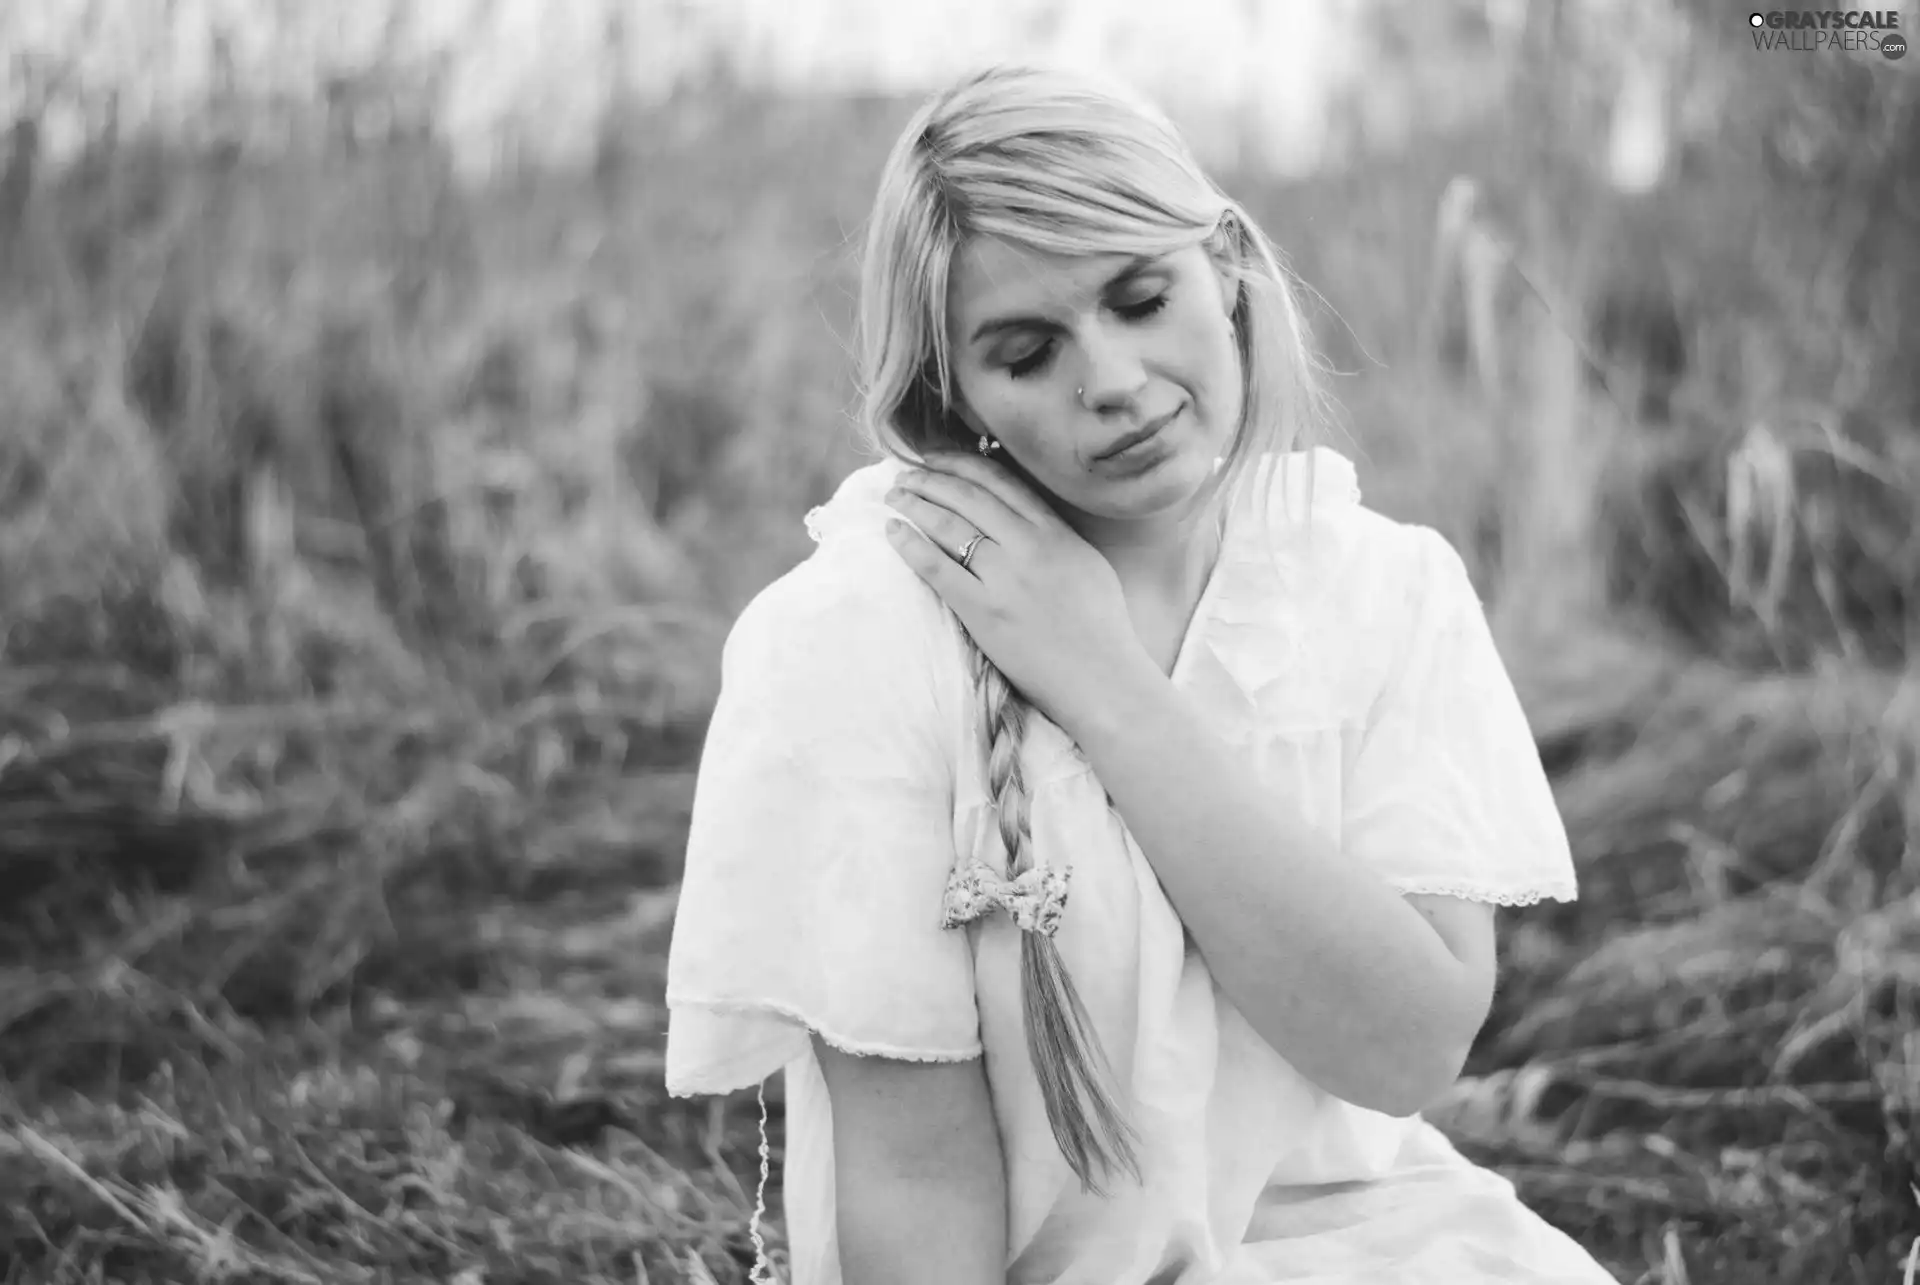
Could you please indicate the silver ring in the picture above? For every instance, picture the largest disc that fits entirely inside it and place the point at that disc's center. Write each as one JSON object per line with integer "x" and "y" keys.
{"x": 966, "y": 554}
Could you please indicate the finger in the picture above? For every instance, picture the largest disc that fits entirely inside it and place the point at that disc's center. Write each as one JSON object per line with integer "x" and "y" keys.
{"x": 983, "y": 508}
{"x": 954, "y": 583}
{"x": 998, "y": 479}
{"x": 945, "y": 527}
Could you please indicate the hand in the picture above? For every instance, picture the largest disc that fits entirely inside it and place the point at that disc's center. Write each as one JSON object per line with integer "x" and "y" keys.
{"x": 1043, "y": 605}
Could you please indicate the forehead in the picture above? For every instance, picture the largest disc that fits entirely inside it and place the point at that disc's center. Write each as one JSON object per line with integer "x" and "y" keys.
{"x": 992, "y": 277}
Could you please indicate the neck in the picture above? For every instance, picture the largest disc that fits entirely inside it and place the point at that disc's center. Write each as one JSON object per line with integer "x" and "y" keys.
{"x": 1163, "y": 559}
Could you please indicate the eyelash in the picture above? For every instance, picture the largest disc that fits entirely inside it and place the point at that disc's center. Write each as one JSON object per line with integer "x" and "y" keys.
{"x": 1032, "y": 362}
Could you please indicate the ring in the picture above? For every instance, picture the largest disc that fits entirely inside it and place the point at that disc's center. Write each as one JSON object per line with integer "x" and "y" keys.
{"x": 966, "y": 554}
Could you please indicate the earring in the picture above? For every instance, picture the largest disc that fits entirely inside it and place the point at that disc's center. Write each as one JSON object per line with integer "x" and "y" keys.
{"x": 988, "y": 445}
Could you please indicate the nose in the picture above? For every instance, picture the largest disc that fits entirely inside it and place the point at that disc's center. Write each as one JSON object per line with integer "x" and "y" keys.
{"x": 1114, "y": 375}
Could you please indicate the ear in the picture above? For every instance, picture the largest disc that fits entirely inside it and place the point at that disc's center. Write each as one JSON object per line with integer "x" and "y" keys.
{"x": 1229, "y": 282}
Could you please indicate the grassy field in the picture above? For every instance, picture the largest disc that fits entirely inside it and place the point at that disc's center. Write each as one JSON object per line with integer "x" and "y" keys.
{"x": 365, "y": 548}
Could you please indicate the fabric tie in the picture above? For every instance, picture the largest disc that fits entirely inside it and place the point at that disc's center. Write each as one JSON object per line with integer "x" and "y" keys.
{"x": 1035, "y": 898}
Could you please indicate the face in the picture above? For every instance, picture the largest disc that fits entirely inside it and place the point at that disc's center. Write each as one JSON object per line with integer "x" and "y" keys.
{"x": 1145, "y": 339}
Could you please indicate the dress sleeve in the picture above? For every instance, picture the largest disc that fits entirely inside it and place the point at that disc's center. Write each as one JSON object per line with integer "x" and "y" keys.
{"x": 820, "y": 842}
{"x": 1447, "y": 793}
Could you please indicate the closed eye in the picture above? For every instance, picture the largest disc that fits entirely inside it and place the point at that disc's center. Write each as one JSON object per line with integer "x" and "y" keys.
{"x": 1036, "y": 360}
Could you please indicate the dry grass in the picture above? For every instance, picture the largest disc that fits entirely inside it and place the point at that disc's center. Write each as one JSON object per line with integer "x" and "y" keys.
{"x": 360, "y": 631}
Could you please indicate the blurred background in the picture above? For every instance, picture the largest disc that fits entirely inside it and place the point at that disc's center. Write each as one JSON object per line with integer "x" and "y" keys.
{"x": 399, "y": 400}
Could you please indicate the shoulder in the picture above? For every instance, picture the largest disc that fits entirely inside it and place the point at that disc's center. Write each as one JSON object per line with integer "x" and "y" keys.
{"x": 1362, "y": 591}
{"x": 1395, "y": 588}
{"x": 1371, "y": 571}
{"x": 1392, "y": 569}
{"x": 852, "y": 629}
{"x": 853, "y": 596}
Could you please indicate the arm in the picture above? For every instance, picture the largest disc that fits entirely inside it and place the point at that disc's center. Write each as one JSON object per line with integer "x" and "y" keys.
{"x": 1373, "y": 996}
{"x": 919, "y": 1177}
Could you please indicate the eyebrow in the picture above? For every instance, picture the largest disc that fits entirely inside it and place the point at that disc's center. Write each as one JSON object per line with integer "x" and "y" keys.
{"x": 1134, "y": 267}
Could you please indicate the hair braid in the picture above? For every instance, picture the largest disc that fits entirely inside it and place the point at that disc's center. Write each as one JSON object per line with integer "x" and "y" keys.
{"x": 1088, "y": 1125}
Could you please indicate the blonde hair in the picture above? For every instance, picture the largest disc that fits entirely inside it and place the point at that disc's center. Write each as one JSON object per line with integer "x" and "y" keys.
{"x": 1062, "y": 163}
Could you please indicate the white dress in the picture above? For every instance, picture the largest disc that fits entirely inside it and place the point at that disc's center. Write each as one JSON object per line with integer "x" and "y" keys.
{"x": 840, "y": 783}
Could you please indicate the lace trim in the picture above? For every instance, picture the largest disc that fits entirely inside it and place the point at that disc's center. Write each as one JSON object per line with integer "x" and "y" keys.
{"x": 1481, "y": 892}
{"x": 788, "y": 1013}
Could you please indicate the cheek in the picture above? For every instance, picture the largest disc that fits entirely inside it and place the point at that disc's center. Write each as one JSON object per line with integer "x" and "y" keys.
{"x": 1036, "y": 439}
{"x": 1216, "y": 361}
{"x": 1012, "y": 415}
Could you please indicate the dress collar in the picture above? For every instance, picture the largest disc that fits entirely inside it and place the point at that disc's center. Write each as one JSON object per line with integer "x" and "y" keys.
{"x": 1245, "y": 659}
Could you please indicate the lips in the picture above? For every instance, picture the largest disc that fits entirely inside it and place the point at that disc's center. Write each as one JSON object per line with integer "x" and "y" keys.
{"x": 1139, "y": 435}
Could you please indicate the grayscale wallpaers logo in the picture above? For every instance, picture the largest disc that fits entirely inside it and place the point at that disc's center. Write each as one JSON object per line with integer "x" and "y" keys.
{"x": 1821, "y": 31}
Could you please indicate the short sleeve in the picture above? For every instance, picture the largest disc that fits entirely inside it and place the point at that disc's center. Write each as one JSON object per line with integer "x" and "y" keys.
{"x": 820, "y": 843}
{"x": 1447, "y": 793}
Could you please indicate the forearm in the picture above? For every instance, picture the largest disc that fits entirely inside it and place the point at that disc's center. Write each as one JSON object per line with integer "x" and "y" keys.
{"x": 948, "y": 1228}
{"x": 1331, "y": 966}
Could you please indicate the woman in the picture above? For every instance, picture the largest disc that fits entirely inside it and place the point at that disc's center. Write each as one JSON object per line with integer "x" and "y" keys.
{"x": 1101, "y": 620}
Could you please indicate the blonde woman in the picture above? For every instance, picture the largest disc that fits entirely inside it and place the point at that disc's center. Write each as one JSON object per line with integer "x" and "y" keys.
{"x": 1102, "y": 828}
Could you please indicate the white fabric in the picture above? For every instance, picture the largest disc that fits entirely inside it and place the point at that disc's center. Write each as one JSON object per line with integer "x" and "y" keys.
{"x": 1354, "y": 670}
